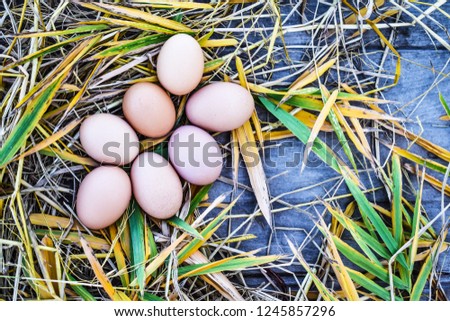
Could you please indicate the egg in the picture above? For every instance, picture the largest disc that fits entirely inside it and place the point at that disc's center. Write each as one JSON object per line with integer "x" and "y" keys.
{"x": 109, "y": 139}
{"x": 156, "y": 185}
{"x": 220, "y": 106}
{"x": 180, "y": 64}
{"x": 149, "y": 109}
{"x": 103, "y": 196}
{"x": 195, "y": 155}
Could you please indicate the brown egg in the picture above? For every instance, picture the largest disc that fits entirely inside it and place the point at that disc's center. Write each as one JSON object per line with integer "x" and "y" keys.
{"x": 109, "y": 139}
{"x": 195, "y": 155}
{"x": 103, "y": 196}
{"x": 149, "y": 109}
{"x": 221, "y": 107}
{"x": 180, "y": 64}
{"x": 156, "y": 185}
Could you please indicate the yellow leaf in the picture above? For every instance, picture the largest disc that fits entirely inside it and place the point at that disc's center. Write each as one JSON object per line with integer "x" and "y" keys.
{"x": 136, "y": 14}
{"x": 98, "y": 270}
{"x": 319, "y": 123}
{"x": 50, "y": 140}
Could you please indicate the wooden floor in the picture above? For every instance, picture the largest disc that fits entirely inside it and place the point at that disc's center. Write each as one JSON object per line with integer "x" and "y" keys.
{"x": 425, "y": 70}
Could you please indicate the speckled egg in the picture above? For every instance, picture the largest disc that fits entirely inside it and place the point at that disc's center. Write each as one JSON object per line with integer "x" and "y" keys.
{"x": 180, "y": 64}
{"x": 109, "y": 139}
{"x": 195, "y": 155}
{"x": 149, "y": 109}
{"x": 156, "y": 185}
{"x": 220, "y": 106}
{"x": 103, "y": 196}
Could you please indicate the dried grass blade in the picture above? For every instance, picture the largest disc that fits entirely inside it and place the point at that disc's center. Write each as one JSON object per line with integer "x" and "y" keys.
{"x": 98, "y": 270}
{"x": 326, "y": 294}
{"x": 137, "y": 14}
{"x": 316, "y": 128}
{"x": 250, "y": 155}
{"x": 50, "y": 140}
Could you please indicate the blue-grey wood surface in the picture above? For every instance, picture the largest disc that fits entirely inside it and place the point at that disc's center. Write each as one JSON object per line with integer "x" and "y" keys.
{"x": 415, "y": 98}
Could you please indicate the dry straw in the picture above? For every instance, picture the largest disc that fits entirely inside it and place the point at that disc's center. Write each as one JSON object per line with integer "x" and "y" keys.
{"x": 61, "y": 63}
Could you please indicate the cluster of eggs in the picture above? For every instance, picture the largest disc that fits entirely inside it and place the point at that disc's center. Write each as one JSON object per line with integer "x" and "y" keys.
{"x": 105, "y": 193}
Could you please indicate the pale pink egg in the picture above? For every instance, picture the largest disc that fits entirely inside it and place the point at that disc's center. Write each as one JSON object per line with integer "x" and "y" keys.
{"x": 103, "y": 196}
{"x": 195, "y": 155}
{"x": 156, "y": 185}
{"x": 149, "y": 109}
{"x": 109, "y": 139}
{"x": 221, "y": 106}
{"x": 180, "y": 64}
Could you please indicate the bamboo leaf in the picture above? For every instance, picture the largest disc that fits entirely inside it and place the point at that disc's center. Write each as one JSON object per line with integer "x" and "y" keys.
{"x": 137, "y": 226}
{"x": 182, "y": 225}
{"x": 362, "y": 238}
{"x": 228, "y": 264}
{"x": 80, "y": 29}
{"x": 132, "y": 46}
{"x": 397, "y": 219}
{"x": 424, "y": 273}
{"x": 50, "y": 140}
{"x": 119, "y": 256}
{"x": 94, "y": 242}
{"x": 30, "y": 118}
{"x": 316, "y": 128}
{"x": 136, "y": 14}
{"x": 368, "y": 211}
{"x": 151, "y": 297}
{"x": 444, "y": 104}
{"x": 79, "y": 289}
{"x": 302, "y": 132}
{"x": 327, "y": 295}
{"x": 206, "y": 233}
{"x": 198, "y": 198}
{"x": 370, "y": 285}
{"x": 367, "y": 265}
{"x": 253, "y": 163}
{"x": 98, "y": 270}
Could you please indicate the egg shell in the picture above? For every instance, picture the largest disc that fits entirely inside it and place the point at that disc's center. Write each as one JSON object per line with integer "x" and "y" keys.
{"x": 220, "y": 106}
{"x": 109, "y": 139}
{"x": 156, "y": 185}
{"x": 195, "y": 155}
{"x": 180, "y": 64}
{"x": 149, "y": 109}
{"x": 103, "y": 196}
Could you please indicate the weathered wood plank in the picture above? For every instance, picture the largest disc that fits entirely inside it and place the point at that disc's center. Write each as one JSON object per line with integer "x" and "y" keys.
{"x": 421, "y": 63}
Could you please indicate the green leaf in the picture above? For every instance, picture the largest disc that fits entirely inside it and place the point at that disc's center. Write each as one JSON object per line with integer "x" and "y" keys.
{"x": 302, "y": 132}
{"x": 80, "y": 29}
{"x": 42, "y": 52}
{"x": 424, "y": 273}
{"x": 137, "y": 227}
{"x": 444, "y": 104}
{"x": 175, "y": 221}
{"x": 80, "y": 290}
{"x": 206, "y": 233}
{"x": 151, "y": 297}
{"x": 324, "y": 291}
{"x": 26, "y": 124}
{"x": 132, "y": 45}
{"x": 367, "y": 265}
{"x": 363, "y": 238}
{"x": 341, "y": 137}
{"x": 370, "y": 285}
{"x": 198, "y": 198}
{"x": 397, "y": 220}
{"x": 415, "y": 229}
{"x": 227, "y": 265}
{"x": 369, "y": 212}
